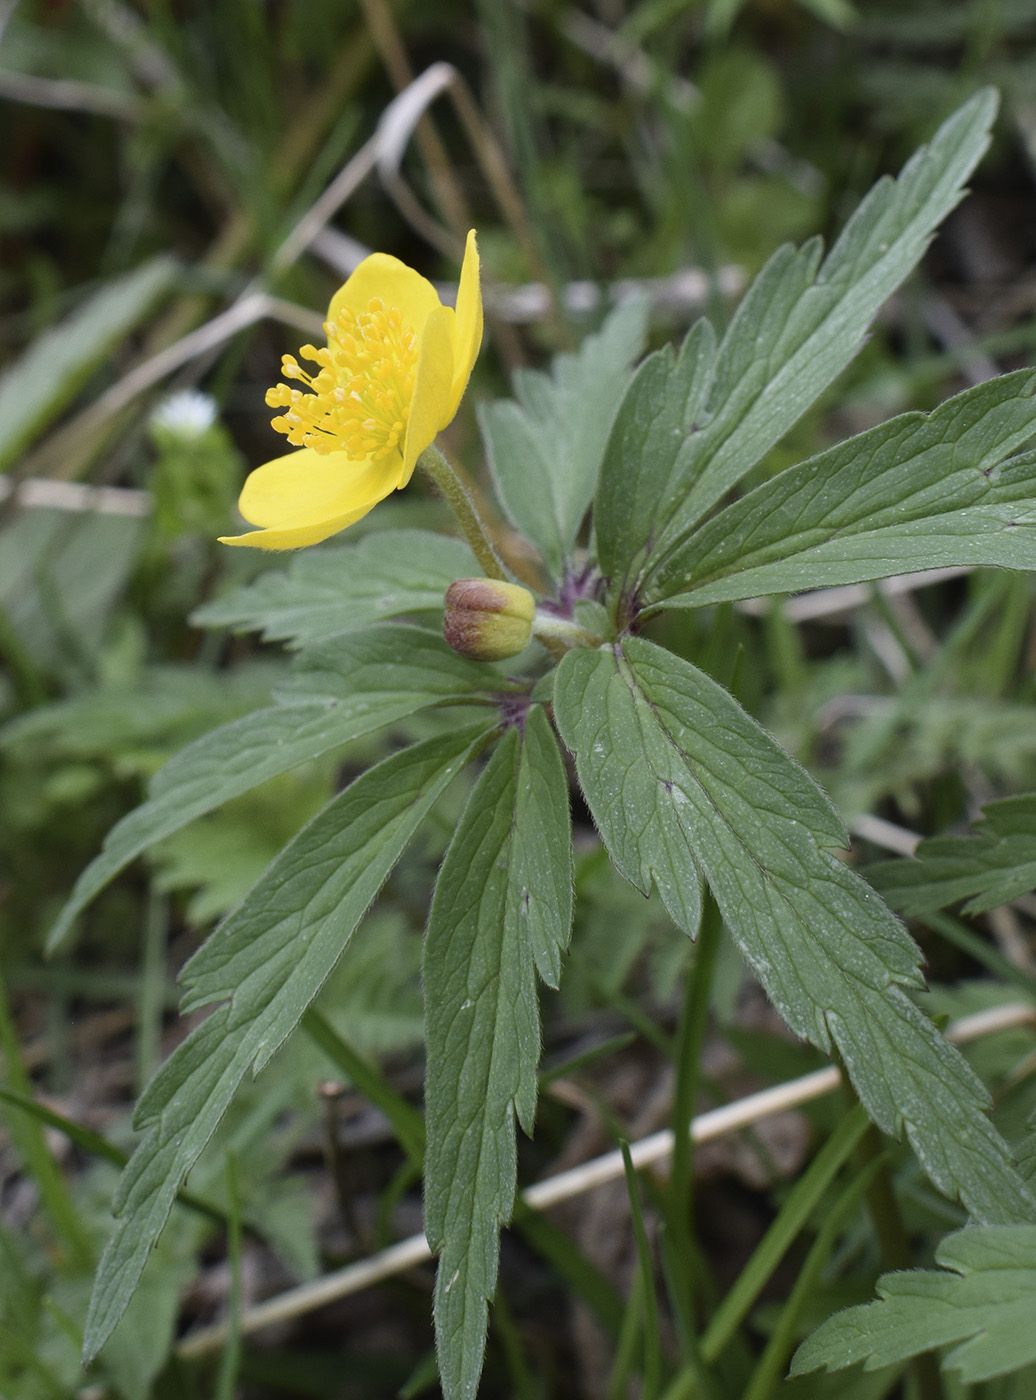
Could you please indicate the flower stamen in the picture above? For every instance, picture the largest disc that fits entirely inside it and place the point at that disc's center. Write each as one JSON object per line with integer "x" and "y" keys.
{"x": 359, "y": 397}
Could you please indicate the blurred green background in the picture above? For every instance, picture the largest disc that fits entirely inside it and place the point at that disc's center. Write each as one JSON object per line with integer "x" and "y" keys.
{"x": 182, "y": 188}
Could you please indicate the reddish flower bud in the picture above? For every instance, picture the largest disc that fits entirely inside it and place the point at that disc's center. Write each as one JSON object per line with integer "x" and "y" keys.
{"x": 486, "y": 619}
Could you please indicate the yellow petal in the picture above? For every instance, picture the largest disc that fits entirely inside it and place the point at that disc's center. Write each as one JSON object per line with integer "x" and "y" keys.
{"x": 468, "y": 327}
{"x": 304, "y": 497}
{"x": 384, "y": 276}
{"x": 431, "y": 388}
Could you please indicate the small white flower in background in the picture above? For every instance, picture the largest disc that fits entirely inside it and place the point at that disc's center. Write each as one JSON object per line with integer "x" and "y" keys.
{"x": 187, "y": 414}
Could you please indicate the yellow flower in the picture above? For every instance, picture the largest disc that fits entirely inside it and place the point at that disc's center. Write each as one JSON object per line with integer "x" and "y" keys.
{"x": 395, "y": 368}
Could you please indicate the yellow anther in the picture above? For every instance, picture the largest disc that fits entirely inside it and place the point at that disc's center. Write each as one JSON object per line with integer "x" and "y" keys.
{"x": 360, "y": 400}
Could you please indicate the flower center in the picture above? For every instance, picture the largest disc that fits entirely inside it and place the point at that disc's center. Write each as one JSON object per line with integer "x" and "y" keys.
{"x": 359, "y": 398}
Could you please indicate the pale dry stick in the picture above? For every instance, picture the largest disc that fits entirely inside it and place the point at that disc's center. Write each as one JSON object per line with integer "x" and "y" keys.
{"x": 396, "y": 127}
{"x": 389, "y": 43}
{"x": 68, "y": 95}
{"x": 565, "y": 1185}
{"x": 681, "y": 294}
{"x": 399, "y": 122}
{"x": 885, "y": 834}
{"x": 312, "y": 223}
{"x": 41, "y": 493}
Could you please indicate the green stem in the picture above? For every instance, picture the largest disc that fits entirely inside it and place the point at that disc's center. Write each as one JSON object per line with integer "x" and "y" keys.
{"x": 457, "y": 496}
{"x": 652, "y": 1348}
{"x": 766, "y": 1376}
{"x": 690, "y": 1037}
{"x": 892, "y": 1236}
{"x": 801, "y": 1202}
{"x": 547, "y": 628}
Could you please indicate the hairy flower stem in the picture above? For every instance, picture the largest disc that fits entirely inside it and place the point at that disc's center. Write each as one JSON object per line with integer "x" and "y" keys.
{"x": 546, "y": 627}
{"x": 457, "y": 496}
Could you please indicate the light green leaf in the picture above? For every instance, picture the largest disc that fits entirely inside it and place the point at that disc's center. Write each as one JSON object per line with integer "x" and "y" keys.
{"x": 919, "y": 492}
{"x": 392, "y": 573}
{"x": 984, "y": 1309}
{"x": 269, "y": 959}
{"x": 545, "y": 449}
{"x": 55, "y": 367}
{"x": 342, "y": 690}
{"x": 992, "y": 866}
{"x": 502, "y": 907}
{"x": 679, "y": 778}
{"x": 799, "y": 325}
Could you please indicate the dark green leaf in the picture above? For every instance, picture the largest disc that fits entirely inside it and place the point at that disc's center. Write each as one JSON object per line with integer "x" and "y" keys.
{"x": 985, "y": 1309}
{"x": 643, "y": 477}
{"x": 343, "y": 689}
{"x": 799, "y": 325}
{"x": 392, "y": 573}
{"x": 919, "y": 492}
{"x": 992, "y": 866}
{"x": 681, "y": 781}
{"x": 502, "y": 908}
{"x": 269, "y": 959}
{"x": 545, "y": 449}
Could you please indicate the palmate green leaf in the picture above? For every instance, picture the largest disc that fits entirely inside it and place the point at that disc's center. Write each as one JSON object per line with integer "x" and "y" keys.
{"x": 502, "y": 910}
{"x": 390, "y": 573}
{"x": 992, "y": 866}
{"x": 984, "y": 1309}
{"x": 50, "y": 373}
{"x": 798, "y": 326}
{"x": 681, "y": 781}
{"x": 545, "y": 449}
{"x": 341, "y": 690}
{"x": 269, "y": 959}
{"x": 919, "y": 492}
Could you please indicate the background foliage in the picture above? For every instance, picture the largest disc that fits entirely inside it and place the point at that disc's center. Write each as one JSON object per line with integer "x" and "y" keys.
{"x": 157, "y": 158}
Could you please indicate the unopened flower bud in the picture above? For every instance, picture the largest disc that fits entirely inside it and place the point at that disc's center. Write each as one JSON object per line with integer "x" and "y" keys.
{"x": 486, "y": 619}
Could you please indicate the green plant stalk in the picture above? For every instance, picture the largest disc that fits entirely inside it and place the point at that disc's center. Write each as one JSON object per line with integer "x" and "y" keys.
{"x": 690, "y": 1037}
{"x": 786, "y": 649}
{"x": 89, "y": 1141}
{"x": 546, "y": 629}
{"x": 767, "y": 1373}
{"x": 407, "y": 1123}
{"x": 883, "y": 607}
{"x": 624, "y": 1353}
{"x": 29, "y": 684}
{"x": 693, "y": 1381}
{"x": 457, "y": 496}
{"x": 652, "y": 1347}
{"x": 36, "y": 1156}
{"x": 230, "y": 1358}
{"x": 892, "y": 1236}
{"x": 570, "y": 1264}
{"x": 802, "y": 1200}
{"x": 522, "y": 1386}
